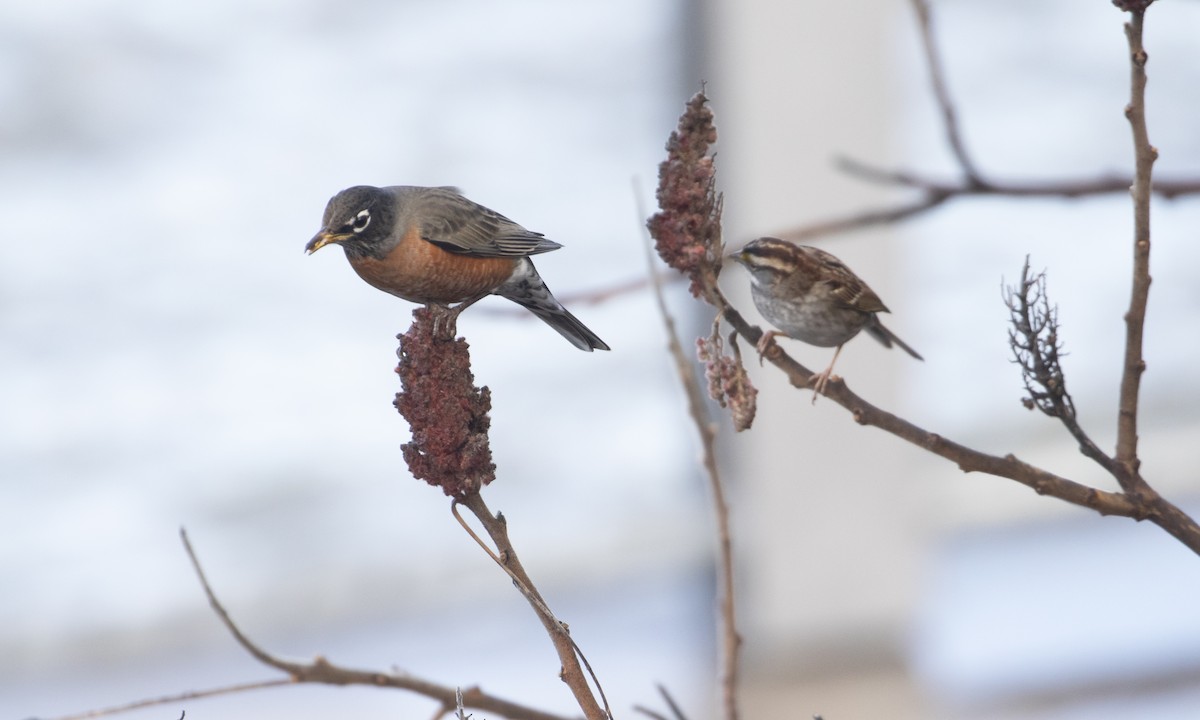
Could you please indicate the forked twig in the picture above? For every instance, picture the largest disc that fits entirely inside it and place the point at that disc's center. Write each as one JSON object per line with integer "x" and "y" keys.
{"x": 505, "y": 556}
{"x": 933, "y": 193}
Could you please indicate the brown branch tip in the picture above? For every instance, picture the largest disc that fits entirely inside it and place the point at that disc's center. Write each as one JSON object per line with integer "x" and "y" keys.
{"x": 1132, "y": 5}
{"x": 687, "y": 228}
{"x": 448, "y": 415}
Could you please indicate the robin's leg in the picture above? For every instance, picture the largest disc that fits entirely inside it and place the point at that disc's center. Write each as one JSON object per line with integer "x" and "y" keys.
{"x": 445, "y": 317}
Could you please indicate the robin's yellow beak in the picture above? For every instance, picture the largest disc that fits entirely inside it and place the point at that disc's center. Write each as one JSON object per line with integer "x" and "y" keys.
{"x": 323, "y": 238}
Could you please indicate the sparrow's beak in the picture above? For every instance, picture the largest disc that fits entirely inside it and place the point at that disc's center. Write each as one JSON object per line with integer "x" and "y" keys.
{"x": 323, "y": 238}
{"x": 738, "y": 256}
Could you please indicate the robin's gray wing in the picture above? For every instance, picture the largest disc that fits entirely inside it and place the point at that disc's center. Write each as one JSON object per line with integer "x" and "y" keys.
{"x": 454, "y": 223}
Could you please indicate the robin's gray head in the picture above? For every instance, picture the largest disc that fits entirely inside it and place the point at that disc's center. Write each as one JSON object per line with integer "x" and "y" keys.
{"x": 360, "y": 219}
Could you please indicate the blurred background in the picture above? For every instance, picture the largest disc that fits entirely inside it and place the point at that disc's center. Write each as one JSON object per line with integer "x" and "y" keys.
{"x": 172, "y": 359}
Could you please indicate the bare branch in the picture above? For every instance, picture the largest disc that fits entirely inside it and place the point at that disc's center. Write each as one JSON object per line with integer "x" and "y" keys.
{"x": 568, "y": 652}
{"x": 864, "y": 219}
{"x": 972, "y": 183}
{"x": 676, "y": 713}
{"x": 670, "y": 701}
{"x": 321, "y": 670}
{"x": 601, "y": 295}
{"x": 1147, "y": 505}
{"x": 594, "y": 296}
{"x": 1134, "y": 364}
{"x": 1061, "y": 187}
{"x": 177, "y": 698}
{"x": 731, "y": 640}
{"x": 935, "y": 192}
{"x": 937, "y": 79}
{"x": 655, "y": 715}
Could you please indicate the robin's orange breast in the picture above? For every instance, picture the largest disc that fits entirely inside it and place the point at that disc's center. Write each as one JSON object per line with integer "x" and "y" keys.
{"x": 422, "y": 272}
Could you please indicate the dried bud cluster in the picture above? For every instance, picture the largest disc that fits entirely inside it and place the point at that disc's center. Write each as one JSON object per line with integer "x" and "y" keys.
{"x": 687, "y": 228}
{"x": 1132, "y": 5}
{"x": 1035, "y": 345}
{"x": 728, "y": 382}
{"x": 448, "y": 415}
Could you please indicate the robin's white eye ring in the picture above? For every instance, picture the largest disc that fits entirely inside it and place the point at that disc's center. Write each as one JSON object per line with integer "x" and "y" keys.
{"x": 361, "y": 220}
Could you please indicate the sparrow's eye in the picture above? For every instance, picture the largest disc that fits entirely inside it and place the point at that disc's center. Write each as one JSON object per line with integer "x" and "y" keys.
{"x": 361, "y": 221}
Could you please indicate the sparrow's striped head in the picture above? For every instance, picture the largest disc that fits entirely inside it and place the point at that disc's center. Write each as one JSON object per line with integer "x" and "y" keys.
{"x": 767, "y": 257}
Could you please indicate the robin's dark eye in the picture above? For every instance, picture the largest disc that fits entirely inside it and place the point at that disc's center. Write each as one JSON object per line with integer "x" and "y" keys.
{"x": 361, "y": 221}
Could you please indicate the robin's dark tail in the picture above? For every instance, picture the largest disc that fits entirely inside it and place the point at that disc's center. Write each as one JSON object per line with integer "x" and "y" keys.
{"x": 887, "y": 337}
{"x": 569, "y": 327}
{"x": 527, "y": 289}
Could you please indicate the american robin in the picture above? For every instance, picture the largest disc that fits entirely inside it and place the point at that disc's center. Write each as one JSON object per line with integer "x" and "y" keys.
{"x": 813, "y": 297}
{"x": 431, "y": 245}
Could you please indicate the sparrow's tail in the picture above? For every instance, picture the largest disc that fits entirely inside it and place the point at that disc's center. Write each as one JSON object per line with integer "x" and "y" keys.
{"x": 887, "y": 337}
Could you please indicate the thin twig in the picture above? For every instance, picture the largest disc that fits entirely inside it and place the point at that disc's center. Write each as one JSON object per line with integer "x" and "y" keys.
{"x": 698, "y": 410}
{"x": 322, "y": 671}
{"x": 936, "y": 192}
{"x": 676, "y": 713}
{"x": 937, "y": 79}
{"x": 863, "y": 219}
{"x": 1134, "y": 364}
{"x": 177, "y": 698}
{"x": 597, "y": 296}
{"x": 649, "y": 713}
{"x": 1059, "y": 188}
{"x": 519, "y": 581}
{"x": 594, "y": 296}
{"x": 573, "y": 673}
